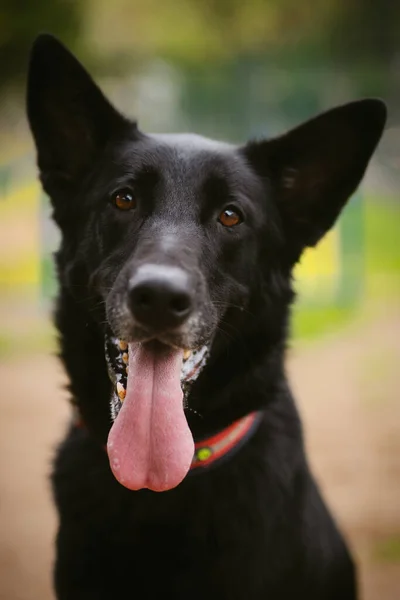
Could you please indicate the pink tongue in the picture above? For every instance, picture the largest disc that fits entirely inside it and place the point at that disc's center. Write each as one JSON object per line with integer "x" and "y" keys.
{"x": 150, "y": 444}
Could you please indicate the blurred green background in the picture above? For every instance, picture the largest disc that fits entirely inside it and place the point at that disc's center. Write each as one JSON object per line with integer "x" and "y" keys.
{"x": 232, "y": 70}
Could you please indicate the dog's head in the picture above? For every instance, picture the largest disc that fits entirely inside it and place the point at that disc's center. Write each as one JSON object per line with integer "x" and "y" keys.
{"x": 175, "y": 242}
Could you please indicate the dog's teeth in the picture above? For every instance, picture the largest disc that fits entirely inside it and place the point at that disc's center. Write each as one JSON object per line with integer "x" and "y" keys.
{"x": 122, "y": 345}
{"x": 187, "y": 354}
{"x": 125, "y": 357}
{"x": 121, "y": 391}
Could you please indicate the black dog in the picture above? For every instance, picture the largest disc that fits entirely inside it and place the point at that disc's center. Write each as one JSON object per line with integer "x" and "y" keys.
{"x": 172, "y": 244}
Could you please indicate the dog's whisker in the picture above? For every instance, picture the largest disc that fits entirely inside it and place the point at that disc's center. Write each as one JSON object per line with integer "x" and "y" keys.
{"x": 227, "y": 305}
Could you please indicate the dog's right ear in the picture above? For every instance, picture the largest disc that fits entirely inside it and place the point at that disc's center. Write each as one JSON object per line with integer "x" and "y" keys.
{"x": 70, "y": 118}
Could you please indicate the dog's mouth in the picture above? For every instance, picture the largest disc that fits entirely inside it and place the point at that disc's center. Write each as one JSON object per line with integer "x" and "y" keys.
{"x": 150, "y": 444}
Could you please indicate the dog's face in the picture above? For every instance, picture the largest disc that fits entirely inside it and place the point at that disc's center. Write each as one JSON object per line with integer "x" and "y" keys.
{"x": 169, "y": 239}
{"x": 177, "y": 221}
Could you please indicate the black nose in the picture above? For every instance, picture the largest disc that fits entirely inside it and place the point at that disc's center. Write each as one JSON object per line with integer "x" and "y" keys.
{"x": 160, "y": 298}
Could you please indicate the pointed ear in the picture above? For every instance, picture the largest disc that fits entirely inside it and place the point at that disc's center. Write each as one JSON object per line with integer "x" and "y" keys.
{"x": 70, "y": 118}
{"x": 315, "y": 168}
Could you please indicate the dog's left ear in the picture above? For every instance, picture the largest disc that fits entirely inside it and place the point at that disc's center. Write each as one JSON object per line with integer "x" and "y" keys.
{"x": 313, "y": 170}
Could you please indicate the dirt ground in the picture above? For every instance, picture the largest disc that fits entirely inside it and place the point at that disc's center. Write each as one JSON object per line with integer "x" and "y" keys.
{"x": 347, "y": 390}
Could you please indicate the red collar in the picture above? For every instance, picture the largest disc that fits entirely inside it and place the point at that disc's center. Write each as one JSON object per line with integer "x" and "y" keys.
{"x": 225, "y": 443}
{"x": 218, "y": 447}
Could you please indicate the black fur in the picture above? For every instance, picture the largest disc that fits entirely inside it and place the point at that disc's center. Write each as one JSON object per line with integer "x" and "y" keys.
{"x": 255, "y": 527}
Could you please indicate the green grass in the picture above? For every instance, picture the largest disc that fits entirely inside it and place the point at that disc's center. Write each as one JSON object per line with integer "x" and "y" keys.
{"x": 382, "y": 231}
{"x": 311, "y": 322}
{"x": 388, "y": 550}
{"x": 39, "y": 339}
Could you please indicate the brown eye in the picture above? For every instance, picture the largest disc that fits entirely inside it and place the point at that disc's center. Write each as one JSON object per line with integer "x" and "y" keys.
{"x": 124, "y": 200}
{"x": 230, "y": 217}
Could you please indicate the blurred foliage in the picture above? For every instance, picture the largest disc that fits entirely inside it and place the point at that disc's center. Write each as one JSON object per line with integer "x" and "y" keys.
{"x": 208, "y": 30}
{"x": 367, "y": 30}
{"x": 216, "y": 29}
{"x": 199, "y": 32}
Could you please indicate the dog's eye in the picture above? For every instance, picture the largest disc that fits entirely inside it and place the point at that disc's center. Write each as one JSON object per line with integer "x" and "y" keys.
{"x": 230, "y": 217}
{"x": 124, "y": 200}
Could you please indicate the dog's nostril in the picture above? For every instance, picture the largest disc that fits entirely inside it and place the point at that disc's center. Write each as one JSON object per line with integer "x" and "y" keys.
{"x": 143, "y": 299}
{"x": 160, "y": 300}
{"x": 180, "y": 303}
